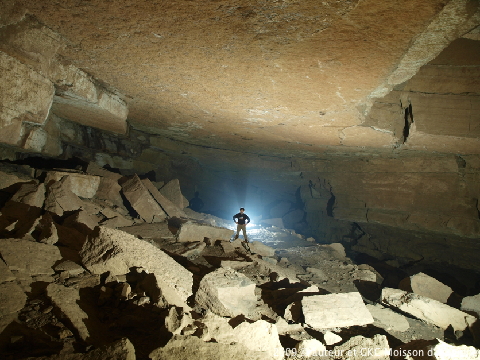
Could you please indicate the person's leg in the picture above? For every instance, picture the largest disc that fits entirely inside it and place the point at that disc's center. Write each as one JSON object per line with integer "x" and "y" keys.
{"x": 238, "y": 231}
{"x": 244, "y": 231}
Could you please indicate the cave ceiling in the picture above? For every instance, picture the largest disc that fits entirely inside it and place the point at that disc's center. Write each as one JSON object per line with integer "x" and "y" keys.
{"x": 269, "y": 76}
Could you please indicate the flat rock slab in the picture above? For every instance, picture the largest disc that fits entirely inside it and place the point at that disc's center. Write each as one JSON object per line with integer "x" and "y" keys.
{"x": 191, "y": 231}
{"x": 191, "y": 347}
{"x": 142, "y": 201}
{"x": 471, "y": 303}
{"x": 82, "y": 185}
{"x": 32, "y": 194}
{"x": 227, "y": 293}
{"x": 260, "y": 335}
{"x": 12, "y": 300}
{"x": 387, "y": 319}
{"x": 60, "y": 197}
{"x": 362, "y": 348}
{"x": 425, "y": 285}
{"x": 66, "y": 300}
{"x": 117, "y": 251}
{"x": 5, "y": 273}
{"x": 444, "y": 351}
{"x": 257, "y": 247}
{"x": 28, "y": 257}
{"x": 426, "y": 309}
{"x": 172, "y": 191}
{"x": 335, "y": 310}
{"x": 168, "y": 206}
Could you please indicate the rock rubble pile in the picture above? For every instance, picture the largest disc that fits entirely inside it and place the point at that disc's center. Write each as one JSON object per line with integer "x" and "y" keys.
{"x": 95, "y": 265}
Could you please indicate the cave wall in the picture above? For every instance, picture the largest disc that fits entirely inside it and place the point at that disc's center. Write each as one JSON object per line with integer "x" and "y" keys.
{"x": 419, "y": 200}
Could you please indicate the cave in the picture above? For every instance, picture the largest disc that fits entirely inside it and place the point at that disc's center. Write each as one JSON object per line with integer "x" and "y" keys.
{"x": 348, "y": 130}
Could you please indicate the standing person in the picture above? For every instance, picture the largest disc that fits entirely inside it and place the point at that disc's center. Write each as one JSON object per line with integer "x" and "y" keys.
{"x": 241, "y": 219}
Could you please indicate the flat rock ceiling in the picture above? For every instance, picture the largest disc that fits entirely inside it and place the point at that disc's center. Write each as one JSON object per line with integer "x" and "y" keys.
{"x": 264, "y": 75}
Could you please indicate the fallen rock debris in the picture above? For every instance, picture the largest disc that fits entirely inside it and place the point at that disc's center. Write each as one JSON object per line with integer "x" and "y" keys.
{"x": 84, "y": 275}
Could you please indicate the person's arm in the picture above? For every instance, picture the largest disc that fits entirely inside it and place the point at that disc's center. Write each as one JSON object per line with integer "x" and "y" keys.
{"x": 234, "y": 217}
{"x": 248, "y": 219}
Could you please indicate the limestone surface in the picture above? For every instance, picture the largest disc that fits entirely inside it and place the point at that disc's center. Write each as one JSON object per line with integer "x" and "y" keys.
{"x": 29, "y": 258}
{"x": 427, "y": 309}
{"x": 191, "y": 231}
{"x": 170, "y": 208}
{"x": 173, "y": 192}
{"x": 188, "y": 347}
{"x": 12, "y": 299}
{"x": 141, "y": 200}
{"x": 471, "y": 304}
{"x": 66, "y": 300}
{"x": 116, "y": 251}
{"x": 82, "y": 185}
{"x": 60, "y": 197}
{"x": 335, "y": 310}
{"x": 32, "y": 194}
{"x": 387, "y": 319}
{"x": 425, "y": 285}
{"x": 257, "y": 247}
{"x": 227, "y": 293}
{"x": 362, "y": 348}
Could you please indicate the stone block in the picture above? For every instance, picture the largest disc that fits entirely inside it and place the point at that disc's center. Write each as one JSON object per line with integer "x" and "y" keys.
{"x": 5, "y": 273}
{"x": 362, "y": 348}
{"x": 281, "y": 273}
{"x": 81, "y": 220}
{"x": 94, "y": 169}
{"x": 331, "y": 338}
{"x": 32, "y": 194}
{"x": 8, "y": 179}
{"x": 86, "y": 102}
{"x": 29, "y": 258}
{"x": 444, "y": 351}
{"x": 68, "y": 266}
{"x": 82, "y": 185}
{"x": 25, "y": 95}
{"x": 310, "y": 347}
{"x": 227, "y": 293}
{"x": 387, "y": 319}
{"x": 168, "y": 206}
{"x": 47, "y": 230}
{"x": 109, "y": 189}
{"x": 142, "y": 201}
{"x": 227, "y": 247}
{"x": 258, "y": 336}
{"x": 60, "y": 197}
{"x": 13, "y": 300}
{"x": 335, "y": 310}
{"x": 339, "y": 249}
{"x": 191, "y": 347}
{"x": 177, "y": 319}
{"x": 471, "y": 304}
{"x": 172, "y": 192}
{"x": 116, "y": 251}
{"x": 19, "y": 219}
{"x": 257, "y": 247}
{"x": 117, "y": 222}
{"x": 425, "y": 285}
{"x": 66, "y": 300}
{"x": 191, "y": 231}
{"x": 426, "y": 309}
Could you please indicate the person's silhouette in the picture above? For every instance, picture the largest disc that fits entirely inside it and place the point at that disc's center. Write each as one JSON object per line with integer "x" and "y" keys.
{"x": 196, "y": 204}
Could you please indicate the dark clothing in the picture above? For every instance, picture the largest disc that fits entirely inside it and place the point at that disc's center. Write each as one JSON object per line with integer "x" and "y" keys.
{"x": 241, "y": 218}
